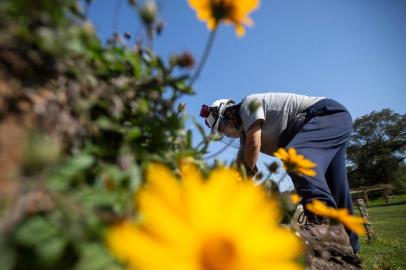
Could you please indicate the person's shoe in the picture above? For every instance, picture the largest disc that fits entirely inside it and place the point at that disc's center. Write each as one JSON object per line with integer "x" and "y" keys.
{"x": 328, "y": 246}
{"x": 322, "y": 231}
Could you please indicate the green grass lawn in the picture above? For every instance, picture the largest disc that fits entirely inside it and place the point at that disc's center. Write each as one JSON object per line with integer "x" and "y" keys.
{"x": 388, "y": 251}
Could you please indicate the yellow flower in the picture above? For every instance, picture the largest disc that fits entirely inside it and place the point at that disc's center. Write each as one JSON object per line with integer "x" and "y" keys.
{"x": 294, "y": 162}
{"x": 228, "y": 11}
{"x": 221, "y": 223}
{"x": 319, "y": 208}
{"x": 294, "y": 198}
{"x": 354, "y": 223}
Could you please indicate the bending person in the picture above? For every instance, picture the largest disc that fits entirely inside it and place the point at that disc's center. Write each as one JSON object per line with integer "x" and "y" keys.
{"x": 317, "y": 127}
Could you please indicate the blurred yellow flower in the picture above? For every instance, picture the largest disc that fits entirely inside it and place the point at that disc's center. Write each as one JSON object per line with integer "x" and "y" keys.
{"x": 196, "y": 224}
{"x": 228, "y": 11}
{"x": 354, "y": 223}
{"x": 294, "y": 162}
{"x": 294, "y": 198}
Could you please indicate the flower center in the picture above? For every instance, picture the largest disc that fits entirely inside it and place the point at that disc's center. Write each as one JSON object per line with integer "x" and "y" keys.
{"x": 218, "y": 253}
{"x": 221, "y": 9}
{"x": 290, "y": 164}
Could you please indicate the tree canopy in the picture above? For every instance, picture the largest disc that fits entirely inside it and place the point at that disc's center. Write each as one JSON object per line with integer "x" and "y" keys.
{"x": 377, "y": 148}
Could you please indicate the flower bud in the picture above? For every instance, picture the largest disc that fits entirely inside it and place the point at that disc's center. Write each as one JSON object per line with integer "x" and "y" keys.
{"x": 181, "y": 107}
{"x": 273, "y": 167}
{"x": 148, "y": 12}
{"x": 183, "y": 60}
{"x": 127, "y": 35}
{"x": 160, "y": 27}
{"x": 88, "y": 27}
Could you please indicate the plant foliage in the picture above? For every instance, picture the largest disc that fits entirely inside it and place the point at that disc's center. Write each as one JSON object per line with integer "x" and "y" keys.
{"x": 87, "y": 117}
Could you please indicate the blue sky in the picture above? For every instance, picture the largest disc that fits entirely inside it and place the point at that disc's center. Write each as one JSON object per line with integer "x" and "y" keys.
{"x": 353, "y": 51}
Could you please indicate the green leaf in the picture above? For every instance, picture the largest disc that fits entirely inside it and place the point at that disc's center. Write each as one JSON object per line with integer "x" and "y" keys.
{"x": 135, "y": 62}
{"x": 44, "y": 238}
{"x": 35, "y": 231}
{"x": 59, "y": 178}
{"x": 135, "y": 176}
{"x": 105, "y": 123}
{"x": 8, "y": 255}
{"x": 40, "y": 150}
{"x": 143, "y": 106}
{"x": 133, "y": 133}
{"x": 91, "y": 198}
{"x": 95, "y": 257}
{"x": 180, "y": 85}
{"x": 51, "y": 250}
{"x": 75, "y": 45}
{"x": 79, "y": 163}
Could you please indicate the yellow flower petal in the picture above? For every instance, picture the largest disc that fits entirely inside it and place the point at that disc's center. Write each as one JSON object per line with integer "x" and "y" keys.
{"x": 354, "y": 223}
{"x": 211, "y": 24}
{"x": 161, "y": 181}
{"x": 282, "y": 154}
{"x": 319, "y": 208}
{"x": 219, "y": 223}
{"x": 295, "y": 199}
{"x": 305, "y": 163}
{"x": 296, "y": 163}
{"x": 239, "y": 30}
{"x": 227, "y": 11}
{"x": 307, "y": 172}
{"x": 292, "y": 152}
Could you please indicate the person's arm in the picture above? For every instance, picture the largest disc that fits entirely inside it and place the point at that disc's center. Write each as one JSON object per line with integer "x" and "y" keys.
{"x": 252, "y": 115}
{"x": 252, "y": 144}
{"x": 240, "y": 156}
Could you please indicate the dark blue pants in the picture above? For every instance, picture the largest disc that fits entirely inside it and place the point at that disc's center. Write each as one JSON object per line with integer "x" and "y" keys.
{"x": 323, "y": 140}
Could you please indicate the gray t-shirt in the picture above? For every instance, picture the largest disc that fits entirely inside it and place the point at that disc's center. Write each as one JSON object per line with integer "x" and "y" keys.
{"x": 276, "y": 110}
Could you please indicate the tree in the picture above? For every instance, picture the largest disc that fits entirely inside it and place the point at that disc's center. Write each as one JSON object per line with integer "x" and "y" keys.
{"x": 376, "y": 151}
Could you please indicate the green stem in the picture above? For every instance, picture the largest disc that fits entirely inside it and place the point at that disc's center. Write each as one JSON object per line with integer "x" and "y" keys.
{"x": 204, "y": 57}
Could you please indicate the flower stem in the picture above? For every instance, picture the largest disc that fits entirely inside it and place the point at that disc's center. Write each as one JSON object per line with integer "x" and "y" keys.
{"x": 204, "y": 57}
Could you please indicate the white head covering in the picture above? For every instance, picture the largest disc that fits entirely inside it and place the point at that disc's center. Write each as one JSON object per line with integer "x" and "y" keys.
{"x": 214, "y": 113}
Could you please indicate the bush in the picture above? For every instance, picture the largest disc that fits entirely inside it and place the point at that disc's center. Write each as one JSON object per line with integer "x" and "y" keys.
{"x": 88, "y": 118}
